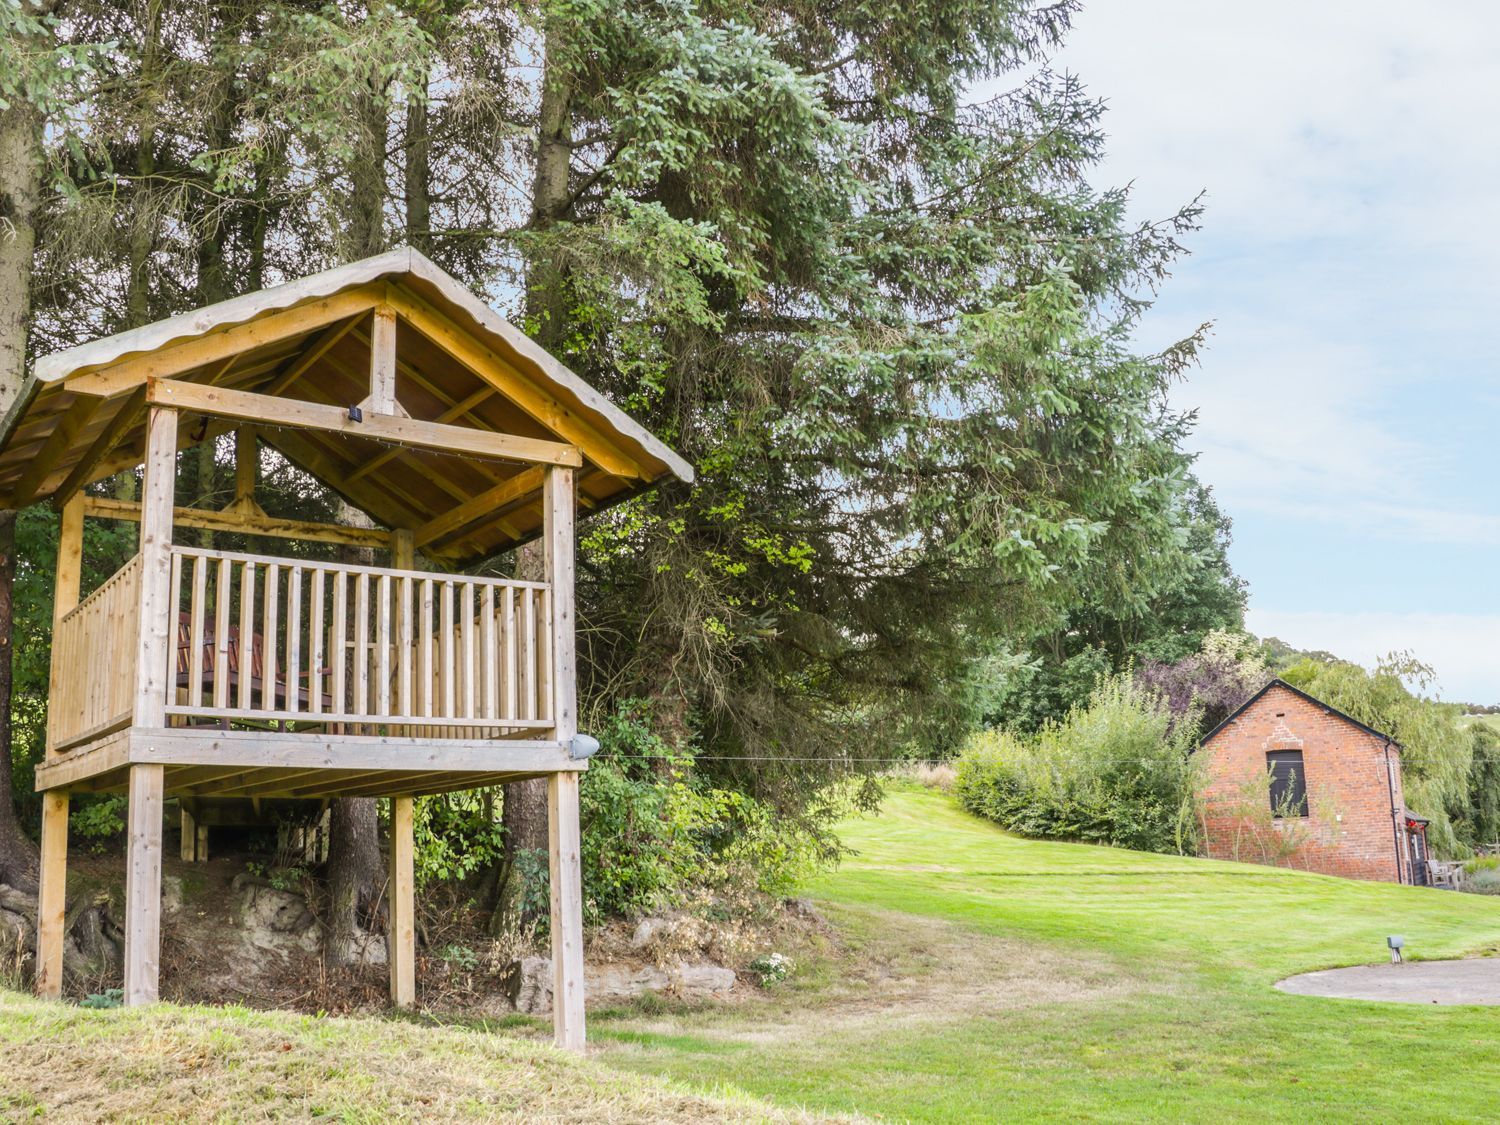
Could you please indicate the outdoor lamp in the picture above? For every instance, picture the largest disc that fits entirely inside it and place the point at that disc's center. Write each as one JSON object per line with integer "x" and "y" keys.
{"x": 582, "y": 746}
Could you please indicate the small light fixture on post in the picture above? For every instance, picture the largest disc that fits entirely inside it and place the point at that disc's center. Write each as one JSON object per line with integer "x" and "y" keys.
{"x": 1396, "y": 944}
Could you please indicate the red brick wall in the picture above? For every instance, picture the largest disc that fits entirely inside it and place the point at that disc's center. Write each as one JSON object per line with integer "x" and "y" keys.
{"x": 1348, "y": 830}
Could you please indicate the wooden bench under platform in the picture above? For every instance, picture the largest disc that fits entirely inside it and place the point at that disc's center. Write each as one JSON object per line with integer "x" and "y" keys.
{"x": 209, "y": 675}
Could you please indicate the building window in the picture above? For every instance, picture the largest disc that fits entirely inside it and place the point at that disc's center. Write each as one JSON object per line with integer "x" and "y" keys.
{"x": 1288, "y": 783}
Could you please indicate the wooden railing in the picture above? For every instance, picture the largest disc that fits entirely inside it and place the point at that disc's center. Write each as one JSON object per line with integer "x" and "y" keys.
{"x": 357, "y": 649}
{"x": 93, "y": 662}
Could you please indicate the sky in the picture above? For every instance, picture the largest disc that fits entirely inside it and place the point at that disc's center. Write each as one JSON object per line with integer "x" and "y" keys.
{"x": 1349, "y": 400}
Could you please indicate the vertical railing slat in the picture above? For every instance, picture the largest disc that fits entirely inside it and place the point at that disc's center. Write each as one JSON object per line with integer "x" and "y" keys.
{"x": 469, "y": 677}
{"x": 294, "y": 639}
{"x": 490, "y": 655}
{"x": 427, "y": 672}
{"x": 338, "y": 655}
{"x": 222, "y": 588}
{"x": 404, "y": 643}
{"x": 315, "y": 641}
{"x": 361, "y": 654}
{"x": 508, "y": 639}
{"x": 445, "y": 663}
{"x": 195, "y": 632}
{"x": 268, "y": 630}
{"x": 528, "y": 654}
{"x": 247, "y": 632}
{"x": 383, "y": 652}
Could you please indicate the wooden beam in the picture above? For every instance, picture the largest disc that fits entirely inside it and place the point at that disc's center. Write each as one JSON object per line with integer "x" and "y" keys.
{"x": 63, "y": 435}
{"x": 248, "y": 749}
{"x": 456, "y": 410}
{"x": 246, "y": 462}
{"x": 143, "y": 885}
{"x": 382, "y": 397}
{"x": 245, "y": 523}
{"x": 311, "y": 355}
{"x": 566, "y": 877}
{"x": 156, "y": 630}
{"x": 109, "y": 437}
{"x": 495, "y": 368}
{"x": 51, "y": 908}
{"x": 402, "y": 940}
{"x": 166, "y": 362}
{"x": 487, "y": 503}
{"x": 297, "y": 414}
{"x": 64, "y": 772}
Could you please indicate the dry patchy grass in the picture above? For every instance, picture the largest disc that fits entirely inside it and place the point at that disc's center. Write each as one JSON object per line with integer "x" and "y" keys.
{"x": 168, "y": 1063}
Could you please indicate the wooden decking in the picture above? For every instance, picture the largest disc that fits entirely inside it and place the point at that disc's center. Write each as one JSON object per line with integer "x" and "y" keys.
{"x": 241, "y": 763}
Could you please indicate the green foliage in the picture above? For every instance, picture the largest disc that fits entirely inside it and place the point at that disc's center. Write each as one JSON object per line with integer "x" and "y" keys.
{"x": 1437, "y": 750}
{"x": 109, "y": 998}
{"x": 1483, "y": 882}
{"x": 98, "y": 820}
{"x": 456, "y": 835}
{"x": 1117, "y": 771}
{"x": 772, "y": 968}
{"x": 1141, "y": 609}
{"x": 1482, "y": 816}
{"x": 655, "y": 834}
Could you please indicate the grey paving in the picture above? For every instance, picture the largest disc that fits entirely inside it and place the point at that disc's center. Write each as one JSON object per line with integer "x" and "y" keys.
{"x": 1475, "y": 981}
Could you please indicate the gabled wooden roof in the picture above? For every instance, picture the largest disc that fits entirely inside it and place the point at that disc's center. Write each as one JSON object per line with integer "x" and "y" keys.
{"x": 80, "y": 415}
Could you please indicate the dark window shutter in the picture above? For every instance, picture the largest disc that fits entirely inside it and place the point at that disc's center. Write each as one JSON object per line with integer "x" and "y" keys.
{"x": 1288, "y": 783}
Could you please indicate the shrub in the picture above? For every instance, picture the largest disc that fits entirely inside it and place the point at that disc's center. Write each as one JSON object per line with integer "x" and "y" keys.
{"x": 655, "y": 834}
{"x": 1116, "y": 771}
{"x": 99, "y": 821}
{"x": 1484, "y": 882}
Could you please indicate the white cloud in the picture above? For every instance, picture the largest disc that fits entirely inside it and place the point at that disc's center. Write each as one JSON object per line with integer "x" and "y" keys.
{"x": 1462, "y": 648}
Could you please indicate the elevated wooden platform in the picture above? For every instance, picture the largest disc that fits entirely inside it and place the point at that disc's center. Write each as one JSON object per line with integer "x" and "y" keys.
{"x": 201, "y": 673}
{"x": 215, "y": 763}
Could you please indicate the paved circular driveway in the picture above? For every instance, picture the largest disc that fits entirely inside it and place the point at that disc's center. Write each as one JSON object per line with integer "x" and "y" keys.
{"x": 1417, "y": 982}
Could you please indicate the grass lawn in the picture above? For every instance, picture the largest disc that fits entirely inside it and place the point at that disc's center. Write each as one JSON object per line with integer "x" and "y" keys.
{"x": 991, "y": 977}
{"x": 169, "y": 1063}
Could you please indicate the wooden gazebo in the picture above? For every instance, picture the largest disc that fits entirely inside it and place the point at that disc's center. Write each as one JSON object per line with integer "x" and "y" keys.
{"x": 203, "y": 673}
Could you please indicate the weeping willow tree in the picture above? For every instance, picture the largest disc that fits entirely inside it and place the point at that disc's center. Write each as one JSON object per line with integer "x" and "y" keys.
{"x": 1437, "y": 750}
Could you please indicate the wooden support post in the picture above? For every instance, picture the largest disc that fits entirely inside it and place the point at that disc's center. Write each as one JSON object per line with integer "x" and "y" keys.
{"x": 562, "y": 788}
{"x": 246, "y": 464}
{"x": 566, "y": 873}
{"x": 68, "y": 583}
{"x": 402, "y": 951}
{"x": 194, "y": 839}
{"x": 143, "y": 885}
{"x": 382, "y": 398}
{"x": 156, "y": 632}
{"x": 403, "y": 549}
{"x": 558, "y": 507}
{"x": 51, "y": 910}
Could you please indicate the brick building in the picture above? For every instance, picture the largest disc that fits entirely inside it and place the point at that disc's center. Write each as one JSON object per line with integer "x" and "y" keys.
{"x": 1289, "y": 780}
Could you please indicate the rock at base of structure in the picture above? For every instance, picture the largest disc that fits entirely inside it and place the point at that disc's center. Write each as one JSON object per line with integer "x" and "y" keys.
{"x": 529, "y": 983}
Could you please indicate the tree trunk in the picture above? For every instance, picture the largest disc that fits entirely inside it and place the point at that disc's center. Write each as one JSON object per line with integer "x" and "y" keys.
{"x": 20, "y": 195}
{"x": 145, "y": 219}
{"x": 364, "y": 232}
{"x": 418, "y": 174}
{"x": 356, "y": 876}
